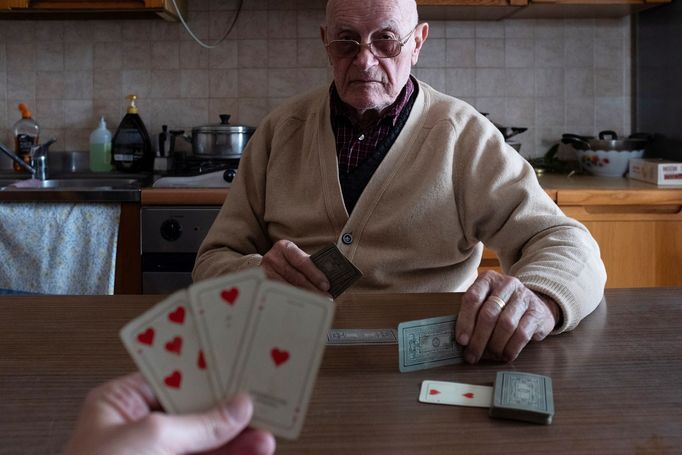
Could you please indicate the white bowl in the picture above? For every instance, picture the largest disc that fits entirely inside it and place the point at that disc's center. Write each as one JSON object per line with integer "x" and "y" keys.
{"x": 607, "y": 163}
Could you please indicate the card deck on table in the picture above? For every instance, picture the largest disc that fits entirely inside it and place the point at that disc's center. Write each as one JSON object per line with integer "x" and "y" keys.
{"x": 428, "y": 343}
{"x": 238, "y": 332}
{"x": 340, "y": 272}
{"x": 164, "y": 344}
{"x": 523, "y": 396}
{"x": 454, "y": 393}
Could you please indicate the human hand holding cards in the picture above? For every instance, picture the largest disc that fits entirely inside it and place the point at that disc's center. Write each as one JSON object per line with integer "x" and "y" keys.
{"x": 239, "y": 332}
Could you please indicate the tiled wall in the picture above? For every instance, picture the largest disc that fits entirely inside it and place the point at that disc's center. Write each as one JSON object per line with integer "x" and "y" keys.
{"x": 552, "y": 76}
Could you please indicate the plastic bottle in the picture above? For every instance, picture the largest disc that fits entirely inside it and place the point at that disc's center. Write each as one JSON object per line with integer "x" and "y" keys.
{"x": 26, "y": 134}
{"x": 100, "y": 148}
{"x": 131, "y": 148}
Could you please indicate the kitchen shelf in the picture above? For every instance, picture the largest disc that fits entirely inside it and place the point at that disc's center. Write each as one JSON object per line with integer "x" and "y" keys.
{"x": 88, "y": 9}
{"x": 530, "y": 9}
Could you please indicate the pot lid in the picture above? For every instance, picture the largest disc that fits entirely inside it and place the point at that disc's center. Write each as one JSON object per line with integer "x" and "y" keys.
{"x": 223, "y": 127}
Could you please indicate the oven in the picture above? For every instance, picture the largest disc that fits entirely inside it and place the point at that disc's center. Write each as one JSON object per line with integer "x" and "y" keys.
{"x": 169, "y": 238}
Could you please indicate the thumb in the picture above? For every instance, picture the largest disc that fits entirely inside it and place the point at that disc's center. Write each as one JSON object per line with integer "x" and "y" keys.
{"x": 209, "y": 430}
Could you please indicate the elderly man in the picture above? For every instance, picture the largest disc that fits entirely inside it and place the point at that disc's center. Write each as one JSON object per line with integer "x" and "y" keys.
{"x": 408, "y": 183}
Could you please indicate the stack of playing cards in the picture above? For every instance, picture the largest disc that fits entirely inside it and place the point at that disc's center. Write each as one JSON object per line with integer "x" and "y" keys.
{"x": 518, "y": 396}
{"x": 239, "y": 332}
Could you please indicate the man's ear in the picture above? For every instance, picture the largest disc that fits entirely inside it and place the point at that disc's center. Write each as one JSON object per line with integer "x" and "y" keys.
{"x": 420, "y": 34}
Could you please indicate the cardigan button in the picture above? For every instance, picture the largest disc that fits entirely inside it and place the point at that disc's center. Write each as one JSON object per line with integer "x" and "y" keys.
{"x": 347, "y": 238}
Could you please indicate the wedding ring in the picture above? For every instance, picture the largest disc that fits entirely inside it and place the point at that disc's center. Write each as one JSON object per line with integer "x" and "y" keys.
{"x": 498, "y": 301}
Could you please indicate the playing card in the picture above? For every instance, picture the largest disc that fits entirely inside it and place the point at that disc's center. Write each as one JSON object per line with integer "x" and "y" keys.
{"x": 221, "y": 307}
{"x": 340, "y": 272}
{"x": 523, "y": 396}
{"x": 343, "y": 337}
{"x": 456, "y": 394}
{"x": 285, "y": 340}
{"x": 164, "y": 344}
{"x": 428, "y": 343}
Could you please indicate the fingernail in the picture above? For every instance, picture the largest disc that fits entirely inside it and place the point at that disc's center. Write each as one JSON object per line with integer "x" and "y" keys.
{"x": 240, "y": 408}
{"x": 463, "y": 339}
{"x": 324, "y": 285}
{"x": 470, "y": 358}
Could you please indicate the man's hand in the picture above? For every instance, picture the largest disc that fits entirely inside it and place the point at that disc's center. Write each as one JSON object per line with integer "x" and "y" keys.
{"x": 287, "y": 262}
{"x": 484, "y": 325}
{"x": 117, "y": 418}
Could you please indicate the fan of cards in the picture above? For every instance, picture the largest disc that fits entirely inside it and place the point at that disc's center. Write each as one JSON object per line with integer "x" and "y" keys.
{"x": 238, "y": 332}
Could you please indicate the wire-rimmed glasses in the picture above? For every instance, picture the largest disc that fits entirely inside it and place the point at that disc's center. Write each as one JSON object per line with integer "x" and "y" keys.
{"x": 380, "y": 48}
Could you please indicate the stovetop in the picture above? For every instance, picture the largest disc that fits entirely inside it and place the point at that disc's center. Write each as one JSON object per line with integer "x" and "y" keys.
{"x": 199, "y": 172}
{"x": 196, "y": 165}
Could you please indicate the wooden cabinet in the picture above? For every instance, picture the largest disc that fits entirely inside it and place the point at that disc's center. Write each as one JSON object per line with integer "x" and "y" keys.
{"x": 128, "y": 279}
{"x": 162, "y": 8}
{"x": 468, "y": 9}
{"x": 584, "y": 8}
{"x": 638, "y": 228}
{"x": 639, "y": 233}
{"x": 527, "y": 9}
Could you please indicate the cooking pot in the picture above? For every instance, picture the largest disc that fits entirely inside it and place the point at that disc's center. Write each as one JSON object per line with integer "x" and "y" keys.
{"x": 608, "y": 140}
{"x": 222, "y": 140}
{"x": 607, "y": 156}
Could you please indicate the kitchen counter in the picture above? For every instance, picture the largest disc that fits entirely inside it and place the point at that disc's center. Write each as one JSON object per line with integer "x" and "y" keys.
{"x": 570, "y": 187}
{"x": 183, "y": 196}
{"x": 74, "y": 187}
{"x": 604, "y": 187}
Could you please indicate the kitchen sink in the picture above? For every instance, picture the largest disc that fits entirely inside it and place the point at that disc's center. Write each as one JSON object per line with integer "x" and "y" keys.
{"x": 74, "y": 183}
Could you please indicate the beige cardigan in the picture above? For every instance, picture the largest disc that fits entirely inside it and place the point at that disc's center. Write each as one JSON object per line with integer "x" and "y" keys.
{"x": 447, "y": 184}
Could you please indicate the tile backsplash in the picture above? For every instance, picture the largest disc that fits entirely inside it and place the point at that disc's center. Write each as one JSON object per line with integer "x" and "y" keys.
{"x": 552, "y": 76}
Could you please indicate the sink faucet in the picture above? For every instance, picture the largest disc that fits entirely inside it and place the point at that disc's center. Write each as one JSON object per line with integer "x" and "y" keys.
{"x": 38, "y": 165}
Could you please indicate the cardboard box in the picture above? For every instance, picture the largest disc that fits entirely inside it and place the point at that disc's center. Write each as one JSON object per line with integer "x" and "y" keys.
{"x": 655, "y": 170}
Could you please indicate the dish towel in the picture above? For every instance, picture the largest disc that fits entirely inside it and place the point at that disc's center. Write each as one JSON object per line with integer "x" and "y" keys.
{"x": 58, "y": 248}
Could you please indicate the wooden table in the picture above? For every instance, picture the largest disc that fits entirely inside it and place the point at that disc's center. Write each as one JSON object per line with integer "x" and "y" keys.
{"x": 617, "y": 379}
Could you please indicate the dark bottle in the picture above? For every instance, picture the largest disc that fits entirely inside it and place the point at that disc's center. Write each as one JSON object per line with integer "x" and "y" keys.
{"x": 131, "y": 148}
{"x": 26, "y": 132}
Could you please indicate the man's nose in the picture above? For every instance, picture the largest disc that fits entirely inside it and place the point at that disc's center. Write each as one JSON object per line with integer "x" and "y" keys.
{"x": 365, "y": 58}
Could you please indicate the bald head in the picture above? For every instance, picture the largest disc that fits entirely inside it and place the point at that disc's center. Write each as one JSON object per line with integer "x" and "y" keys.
{"x": 366, "y": 79}
{"x": 406, "y": 9}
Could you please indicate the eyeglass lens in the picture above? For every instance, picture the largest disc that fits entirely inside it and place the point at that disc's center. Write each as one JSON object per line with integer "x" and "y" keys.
{"x": 383, "y": 48}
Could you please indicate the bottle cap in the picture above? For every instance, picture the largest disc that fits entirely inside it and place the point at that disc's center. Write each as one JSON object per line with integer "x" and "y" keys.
{"x": 25, "y": 113}
{"x": 132, "y": 109}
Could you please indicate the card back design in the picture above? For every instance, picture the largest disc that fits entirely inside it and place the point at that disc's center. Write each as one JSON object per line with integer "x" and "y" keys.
{"x": 523, "y": 396}
{"x": 428, "y": 343}
{"x": 340, "y": 272}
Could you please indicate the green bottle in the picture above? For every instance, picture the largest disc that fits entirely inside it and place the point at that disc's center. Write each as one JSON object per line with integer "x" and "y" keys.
{"x": 100, "y": 148}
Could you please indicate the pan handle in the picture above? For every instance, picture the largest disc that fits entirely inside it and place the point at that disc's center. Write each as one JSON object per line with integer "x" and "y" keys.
{"x": 608, "y": 134}
{"x": 576, "y": 141}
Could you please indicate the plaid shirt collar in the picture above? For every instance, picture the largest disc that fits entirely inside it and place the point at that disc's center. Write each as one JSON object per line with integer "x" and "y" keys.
{"x": 342, "y": 111}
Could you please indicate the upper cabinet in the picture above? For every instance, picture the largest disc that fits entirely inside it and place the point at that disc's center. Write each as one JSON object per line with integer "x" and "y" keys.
{"x": 102, "y": 8}
{"x": 469, "y": 9}
{"x": 530, "y": 9}
{"x": 584, "y": 8}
